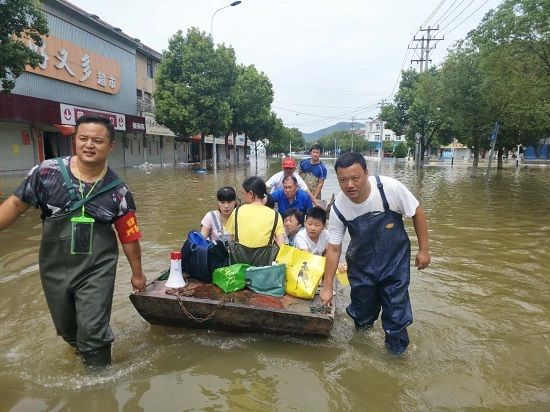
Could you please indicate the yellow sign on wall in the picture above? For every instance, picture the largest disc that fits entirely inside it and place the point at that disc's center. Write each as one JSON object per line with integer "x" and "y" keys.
{"x": 70, "y": 63}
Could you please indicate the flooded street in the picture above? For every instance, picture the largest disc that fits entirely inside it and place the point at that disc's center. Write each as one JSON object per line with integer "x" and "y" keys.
{"x": 480, "y": 337}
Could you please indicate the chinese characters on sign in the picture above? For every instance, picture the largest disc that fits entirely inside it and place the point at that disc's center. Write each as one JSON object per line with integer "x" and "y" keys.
{"x": 76, "y": 65}
{"x": 70, "y": 114}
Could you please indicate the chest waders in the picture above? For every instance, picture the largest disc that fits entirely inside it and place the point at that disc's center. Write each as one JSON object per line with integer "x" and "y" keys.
{"x": 378, "y": 259}
{"x": 79, "y": 287}
{"x": 312, "y": 182}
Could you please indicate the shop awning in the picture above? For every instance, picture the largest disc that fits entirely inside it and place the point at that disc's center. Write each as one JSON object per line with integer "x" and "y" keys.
{"x": 65, "y": 129}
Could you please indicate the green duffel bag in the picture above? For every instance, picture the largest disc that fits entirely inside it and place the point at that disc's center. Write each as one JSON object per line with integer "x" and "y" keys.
{"x": 267, "y": 280}
{"x": 230, "y": 278}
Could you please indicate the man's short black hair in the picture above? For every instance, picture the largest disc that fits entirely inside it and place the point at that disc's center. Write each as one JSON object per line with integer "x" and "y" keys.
{"x": 296, "y": 213}
{"x": 89, "y": 118}
{"x": 315, "y": 147}
{"x": 348, "y": 159}
{"x": 269, "y": 201}
{"x": 293, "y": 179}
{"x": 317, "y": 212}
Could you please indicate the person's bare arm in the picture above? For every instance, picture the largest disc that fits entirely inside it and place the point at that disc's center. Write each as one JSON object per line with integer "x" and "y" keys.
{"x": 279, "y": 240}
{"x": 205, "y": 231}
{"x": 331, "y": 264}
{"x": 421, "y": 228}
{"x": 132, "y": 251}
{"x": 10, "y": 210}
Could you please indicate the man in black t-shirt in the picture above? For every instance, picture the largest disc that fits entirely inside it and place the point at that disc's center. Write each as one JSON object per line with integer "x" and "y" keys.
{"x": 81, "y": 197}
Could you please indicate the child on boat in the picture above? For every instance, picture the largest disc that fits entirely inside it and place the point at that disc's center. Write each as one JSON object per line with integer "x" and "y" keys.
{"x": 314, "y": 238}
{"x": 293, "y": 220}
{"x": 213, "y": 223}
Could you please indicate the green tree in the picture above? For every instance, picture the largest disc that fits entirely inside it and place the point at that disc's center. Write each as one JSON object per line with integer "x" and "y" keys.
{"x": 250, "y": 100}
{"x": 283, "y": 138}
{"x": 20, "y": 19}
{"x": 514, "y": 46}
{"x": 400, "y": 150}
{"x": 416, "y": 110}
{"x": 194, "y": 85}
{"x": 464, "y": 100}
{"x": 523, "y": 24}
{"x": 395, "y": 114}
{"x": 343, "y": 140}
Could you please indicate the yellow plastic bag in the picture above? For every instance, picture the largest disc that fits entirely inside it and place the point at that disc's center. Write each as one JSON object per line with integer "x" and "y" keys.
{"x": 304, "y": 271}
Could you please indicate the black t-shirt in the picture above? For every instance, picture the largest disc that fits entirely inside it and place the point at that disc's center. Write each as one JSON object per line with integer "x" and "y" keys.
{"x": 44, "y": 187}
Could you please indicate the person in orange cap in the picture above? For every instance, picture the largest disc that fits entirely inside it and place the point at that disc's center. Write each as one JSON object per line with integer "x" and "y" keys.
{"x": 289, "y": 169}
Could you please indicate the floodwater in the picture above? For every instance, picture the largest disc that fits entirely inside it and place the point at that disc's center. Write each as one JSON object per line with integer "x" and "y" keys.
{"x": 480, "y": 338}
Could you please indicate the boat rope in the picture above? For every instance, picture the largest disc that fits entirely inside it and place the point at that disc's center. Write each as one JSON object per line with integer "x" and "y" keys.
{"x": 180, "y": 292}
{"x": 320, "y": 308}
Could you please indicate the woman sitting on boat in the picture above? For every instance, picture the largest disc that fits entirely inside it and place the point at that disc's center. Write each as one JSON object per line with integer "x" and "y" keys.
{"x": 256, "y": 231}
{"x": 214, "y": 222}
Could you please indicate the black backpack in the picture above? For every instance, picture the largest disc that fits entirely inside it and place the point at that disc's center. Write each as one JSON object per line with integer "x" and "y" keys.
{"x": 200, "y": 257}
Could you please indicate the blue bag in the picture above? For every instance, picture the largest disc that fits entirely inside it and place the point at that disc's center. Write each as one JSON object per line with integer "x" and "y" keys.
{"x": 200, "y": 257}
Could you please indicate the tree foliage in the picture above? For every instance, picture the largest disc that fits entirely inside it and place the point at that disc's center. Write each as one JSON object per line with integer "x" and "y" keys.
{"x": 500, "y": 72}
{"x": 251, "y": 100}
{"x": 342, "y": 139}
{"x": 194, "y": 84}
{"x": 400, "y": 150}
{"x": 283, "y": 138}
{"x": 20, "y": 20}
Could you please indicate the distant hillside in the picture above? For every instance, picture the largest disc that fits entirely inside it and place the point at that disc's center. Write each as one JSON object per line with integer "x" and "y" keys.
{"x": 310, "y": 137}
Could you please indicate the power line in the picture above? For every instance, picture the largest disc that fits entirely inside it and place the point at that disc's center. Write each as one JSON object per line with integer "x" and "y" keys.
{"x": 456, "y": 17}
{"x": 433, "y": 12}
{"x": 321, "y": 107}
{"x": 450, "y": 10}
{"x": 332, "y": 92}
{"x": 474, "y": 12}
{"x": 407, "y": 51}
{"x": 339, "y": 116}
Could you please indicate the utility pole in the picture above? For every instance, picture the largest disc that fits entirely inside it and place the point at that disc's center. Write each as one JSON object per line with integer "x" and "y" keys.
{"x": 424, "y": 65}
{"x": 352, "y": 126}
{"x": 425, "y": 48}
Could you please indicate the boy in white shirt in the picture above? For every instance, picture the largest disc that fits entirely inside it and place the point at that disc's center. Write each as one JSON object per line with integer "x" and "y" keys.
{"x": 315, "y": 238}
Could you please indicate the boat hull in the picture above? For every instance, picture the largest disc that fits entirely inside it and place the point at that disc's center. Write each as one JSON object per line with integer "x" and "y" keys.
{"x": 204, "y": 305}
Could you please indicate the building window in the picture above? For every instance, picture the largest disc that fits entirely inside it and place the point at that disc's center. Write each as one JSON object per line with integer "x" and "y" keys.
{"x": 377, "y": 126}
{"x": 397, "y": 137}
{"x": 376, "y": 137}
{"x": 150, "y": 68}
{"x": 387, "y": 137}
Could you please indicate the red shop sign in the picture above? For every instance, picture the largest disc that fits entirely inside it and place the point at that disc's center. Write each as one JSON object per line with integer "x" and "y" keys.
{"x": 25, "y": 138}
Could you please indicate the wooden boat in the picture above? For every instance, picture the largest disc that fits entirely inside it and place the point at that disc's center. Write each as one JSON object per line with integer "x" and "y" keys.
{"x": 204, "y": 305}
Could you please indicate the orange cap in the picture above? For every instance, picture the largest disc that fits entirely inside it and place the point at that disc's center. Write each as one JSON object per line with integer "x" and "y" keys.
{"x": 289, "y": 163}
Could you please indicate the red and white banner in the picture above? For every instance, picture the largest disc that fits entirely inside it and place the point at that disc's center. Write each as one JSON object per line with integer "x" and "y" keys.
{"x": 70, "y": 114}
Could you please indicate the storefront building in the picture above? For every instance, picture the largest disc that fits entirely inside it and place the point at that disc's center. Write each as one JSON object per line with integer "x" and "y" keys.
{"x": 89, "y": 68}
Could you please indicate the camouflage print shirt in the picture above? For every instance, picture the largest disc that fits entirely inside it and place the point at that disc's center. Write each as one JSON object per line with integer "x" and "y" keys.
{"x": 44, "y": 188}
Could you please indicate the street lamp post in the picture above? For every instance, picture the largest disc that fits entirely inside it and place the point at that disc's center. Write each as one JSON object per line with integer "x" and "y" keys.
{"x": 214, "y": 148}
{"x": 381, "y": 151}
{"x": 235, "y": 3}
{"x": 417, "y": 137}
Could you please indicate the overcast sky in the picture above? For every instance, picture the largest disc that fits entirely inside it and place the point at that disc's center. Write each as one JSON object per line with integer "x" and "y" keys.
{"x": 329, "y": 61}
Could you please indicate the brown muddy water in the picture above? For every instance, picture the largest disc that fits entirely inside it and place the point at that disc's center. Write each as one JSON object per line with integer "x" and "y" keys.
{"x": 480, "y": 338}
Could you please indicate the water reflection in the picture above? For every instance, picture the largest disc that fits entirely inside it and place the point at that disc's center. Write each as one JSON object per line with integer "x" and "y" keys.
{"x": 480, "y": 337}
